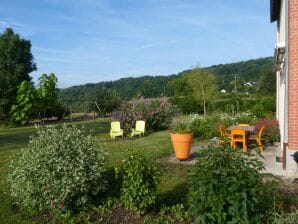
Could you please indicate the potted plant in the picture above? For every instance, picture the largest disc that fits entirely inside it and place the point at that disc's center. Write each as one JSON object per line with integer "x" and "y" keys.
{"x": 181, "y": 137}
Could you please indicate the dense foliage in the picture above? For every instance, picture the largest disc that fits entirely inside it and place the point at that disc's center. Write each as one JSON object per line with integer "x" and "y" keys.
{"x": 139, "y": 181}
{"x": 61, "y": 169}
{"x": 38, "y": 103}
{"x": 82, "y": 97}
{"x": 16, "y": 63}
{"x": 25, "y": 106}
{"x": 197, "y": 86}
{"x": 205, "y": 128}
{"x": 227, "y": 187}
{"x": 157, "y": 113}
{"x": 271, "y": 131}
{"x": 253, "y": 76}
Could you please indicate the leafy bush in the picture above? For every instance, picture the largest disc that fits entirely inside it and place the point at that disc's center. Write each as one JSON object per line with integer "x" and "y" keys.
{"x": 227, "y": 187}
{"x": 265, "y": 107}
{"x": 157, "y": 113}
{"x": 271, "y": 130}
{"x": 245, "y": 118}
{"x": 187, "y": 104}
{"x": 61, "y": 169}
{"x": 205, "y": 127}
{"x": 139, "y": 181}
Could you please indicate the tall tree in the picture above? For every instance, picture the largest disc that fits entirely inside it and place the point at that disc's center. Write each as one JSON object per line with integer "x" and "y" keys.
{"x": 16, "y": 63}
{"x": 203, "y": 86}
{"x": 25, "y": 105}
{"x": 47, "y": 93}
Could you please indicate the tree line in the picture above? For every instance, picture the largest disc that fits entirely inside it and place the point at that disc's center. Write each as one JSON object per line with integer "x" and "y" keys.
{"x": 233, "y": 87}
{"x": 254, "y": 80}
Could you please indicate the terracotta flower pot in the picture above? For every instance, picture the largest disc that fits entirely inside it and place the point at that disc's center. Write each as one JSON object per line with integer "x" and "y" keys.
{"x": 182, "y": 144}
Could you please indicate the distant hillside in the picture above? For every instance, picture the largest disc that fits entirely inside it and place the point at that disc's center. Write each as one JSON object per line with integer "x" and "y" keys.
{"x": 155, "y": 86}
{"x": 248, "y": 71}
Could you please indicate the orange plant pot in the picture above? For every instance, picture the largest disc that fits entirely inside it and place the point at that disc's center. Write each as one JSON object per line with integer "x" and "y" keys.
{"x": 182, "y": 144}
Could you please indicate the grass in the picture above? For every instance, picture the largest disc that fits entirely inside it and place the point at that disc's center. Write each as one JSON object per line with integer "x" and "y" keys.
{"x": 154, "y": 145}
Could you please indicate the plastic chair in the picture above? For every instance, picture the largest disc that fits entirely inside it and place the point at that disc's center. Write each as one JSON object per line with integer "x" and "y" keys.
{"x": 239, "y": 136}
{"x": 116, "y": 130}
{"x": 258, "y": 139}
{"x": 223, "y": 134}
{"x": 139, "y": 130}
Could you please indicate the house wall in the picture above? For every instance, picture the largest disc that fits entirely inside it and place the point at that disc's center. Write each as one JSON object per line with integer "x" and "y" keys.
{"x": 292, "y": 84}
{"x": 293, "y": 74}
{"x": 281, "y": 111}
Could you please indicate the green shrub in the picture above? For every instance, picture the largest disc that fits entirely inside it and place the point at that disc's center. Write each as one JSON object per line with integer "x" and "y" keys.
{"x": 205, "y": 128}
{"x": 61, "y": 169}
{"x": 139, "y": 182}
{"x": 187, "y": 104}
{"x": 227, "y": 187}
{"x": 265, "y": 107}
{"x": 245, "y": 118}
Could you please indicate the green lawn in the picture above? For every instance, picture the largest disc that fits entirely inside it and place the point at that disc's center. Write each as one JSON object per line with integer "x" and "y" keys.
{"x": 154, "y": 145}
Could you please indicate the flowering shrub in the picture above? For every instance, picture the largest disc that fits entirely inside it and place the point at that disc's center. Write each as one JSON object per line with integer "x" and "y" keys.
{"x": 157, "y": 113}
{"x": 61, "y": 169}
{"x": 271, "y": 130}
{"x": 207, "y": 127}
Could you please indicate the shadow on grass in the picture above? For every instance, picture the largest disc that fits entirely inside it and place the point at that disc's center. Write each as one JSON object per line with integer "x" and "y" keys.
{"x": 175, "y": 196}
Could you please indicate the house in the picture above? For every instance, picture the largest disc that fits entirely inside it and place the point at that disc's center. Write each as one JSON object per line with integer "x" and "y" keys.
{"x": 248, "y": 84}
{"x": 285, "y": 14}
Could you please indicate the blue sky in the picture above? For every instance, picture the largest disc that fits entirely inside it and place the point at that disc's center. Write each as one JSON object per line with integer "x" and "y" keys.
{"x": 88, "y": 41}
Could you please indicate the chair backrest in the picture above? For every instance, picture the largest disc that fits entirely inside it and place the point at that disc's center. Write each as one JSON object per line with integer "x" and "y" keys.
{"x": 115, "y": 126}
{"x": 243, "y": 124}
{"x": 260, "y": 133}
{"x": 238, "y": 132}
{"x": 222, "y": 130}
{"x": 140, "y": 126}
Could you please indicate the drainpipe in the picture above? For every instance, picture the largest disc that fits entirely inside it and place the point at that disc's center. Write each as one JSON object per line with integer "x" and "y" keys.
{"x": 285, "y": 143}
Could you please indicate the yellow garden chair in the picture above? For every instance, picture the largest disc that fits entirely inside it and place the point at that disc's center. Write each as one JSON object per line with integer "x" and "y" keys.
{"x": 139, "y": 130}
{"x": 116, "y": 130}
{"x": 258, "y": 139}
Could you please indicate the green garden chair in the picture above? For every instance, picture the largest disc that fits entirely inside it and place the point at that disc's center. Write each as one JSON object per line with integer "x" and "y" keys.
{"x": 116, "y": 130}
{"x": 139, "y": 130}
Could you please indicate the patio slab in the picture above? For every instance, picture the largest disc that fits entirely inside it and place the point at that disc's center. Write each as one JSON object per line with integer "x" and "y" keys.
{"x": 269, "y": 157}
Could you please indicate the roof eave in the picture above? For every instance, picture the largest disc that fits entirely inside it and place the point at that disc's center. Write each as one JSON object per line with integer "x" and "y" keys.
{"x": 274, "y": 10}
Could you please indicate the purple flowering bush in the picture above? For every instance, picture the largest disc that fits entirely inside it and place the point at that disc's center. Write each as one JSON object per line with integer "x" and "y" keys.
{"x": 157, "y": 113}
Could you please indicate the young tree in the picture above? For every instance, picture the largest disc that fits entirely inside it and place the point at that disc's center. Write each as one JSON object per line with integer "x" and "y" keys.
{"x": 16, "y": 62}
{"x": 47, "y": 93}
{"x": 25, "y": 105}
{"x": 203, "y": 86}
{"x": 32, "y": 103}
